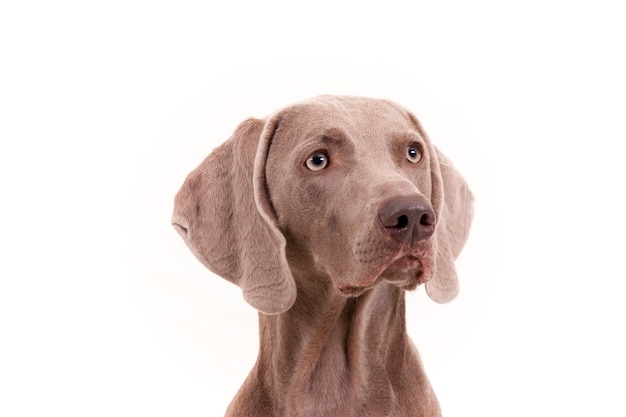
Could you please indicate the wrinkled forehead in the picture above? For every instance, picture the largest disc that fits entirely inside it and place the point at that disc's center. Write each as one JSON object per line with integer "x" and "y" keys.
{"x": 357, "y": 118}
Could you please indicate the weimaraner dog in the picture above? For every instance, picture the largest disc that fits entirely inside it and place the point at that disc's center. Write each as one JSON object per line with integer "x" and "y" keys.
{"x": 324, "y": 214}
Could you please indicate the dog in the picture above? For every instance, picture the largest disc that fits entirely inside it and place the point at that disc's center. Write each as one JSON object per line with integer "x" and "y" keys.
{"x": 324, "y": 214}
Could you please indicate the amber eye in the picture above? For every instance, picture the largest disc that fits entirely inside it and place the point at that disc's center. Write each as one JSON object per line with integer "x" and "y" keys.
{"x": 317, "y": 162}
{"x": 413, "y": 153}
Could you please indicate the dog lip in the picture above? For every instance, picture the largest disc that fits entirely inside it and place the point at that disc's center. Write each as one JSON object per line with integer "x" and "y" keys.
{"x": 351, "y": 290}
{"x": 407, "y": 259}
{"x": 406, "y": 271}
{"x": 406, "y": 263}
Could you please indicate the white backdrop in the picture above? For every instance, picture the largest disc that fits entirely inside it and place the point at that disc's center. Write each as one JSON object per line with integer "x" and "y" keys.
{"x": 105, "y": 109}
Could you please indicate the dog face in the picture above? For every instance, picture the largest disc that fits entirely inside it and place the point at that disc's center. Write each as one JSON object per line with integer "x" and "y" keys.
{"x": 350, "y": 183}
{"x": 344, "y": 187}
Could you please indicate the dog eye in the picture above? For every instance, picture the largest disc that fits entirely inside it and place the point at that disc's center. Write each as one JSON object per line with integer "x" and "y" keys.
{"x": 317, "y": 162}
{"x": 413, "y": 153}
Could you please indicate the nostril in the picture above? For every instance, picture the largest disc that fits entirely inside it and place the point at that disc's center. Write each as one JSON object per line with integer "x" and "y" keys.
{"x": 403, "y": 221}
{"x": 180, "y": 229}
{"x": 427, "y": 219}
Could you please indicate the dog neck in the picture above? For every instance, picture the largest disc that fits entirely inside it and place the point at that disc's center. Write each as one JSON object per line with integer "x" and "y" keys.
{"x": 331, "y": 355}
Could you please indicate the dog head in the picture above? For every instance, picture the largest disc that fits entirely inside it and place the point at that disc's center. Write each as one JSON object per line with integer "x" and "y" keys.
{"x": 349, "y": 188}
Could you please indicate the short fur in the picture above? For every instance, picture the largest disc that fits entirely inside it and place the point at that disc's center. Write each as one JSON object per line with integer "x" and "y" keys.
{"x": 309, "y": 252}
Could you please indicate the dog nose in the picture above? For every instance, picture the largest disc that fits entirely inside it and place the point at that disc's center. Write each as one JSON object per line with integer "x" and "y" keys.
{"x": 180, "y": 224}
{"x": 407, "y": 218}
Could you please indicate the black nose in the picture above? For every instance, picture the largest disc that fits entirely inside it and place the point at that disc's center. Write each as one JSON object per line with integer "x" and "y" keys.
{"x": 407, "y": 218}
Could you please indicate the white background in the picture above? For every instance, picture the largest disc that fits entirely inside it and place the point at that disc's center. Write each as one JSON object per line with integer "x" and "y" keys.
{"x": 105, "y": 108}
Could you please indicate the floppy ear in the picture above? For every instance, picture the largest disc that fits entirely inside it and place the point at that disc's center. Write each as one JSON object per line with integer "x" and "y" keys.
{"x": 453, "y": 203}
{"x": 223, "y": 213}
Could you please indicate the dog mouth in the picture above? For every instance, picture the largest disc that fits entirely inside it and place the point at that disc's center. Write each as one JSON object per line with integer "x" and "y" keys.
{"x": 405, "y": 264}
{"x": 406, "y": 271}
{"x": 352, "y": 290}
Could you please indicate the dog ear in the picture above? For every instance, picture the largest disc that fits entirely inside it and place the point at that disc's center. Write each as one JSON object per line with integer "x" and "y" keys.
{"x": 453, "y": 204}
{"x": 223, "y": 213}
{"x": 452, "y": 201}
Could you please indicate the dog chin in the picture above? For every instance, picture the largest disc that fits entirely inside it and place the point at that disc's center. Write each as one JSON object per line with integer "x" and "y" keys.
{"x": 351, "y": 290}
{"x": 406, "y": 272}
